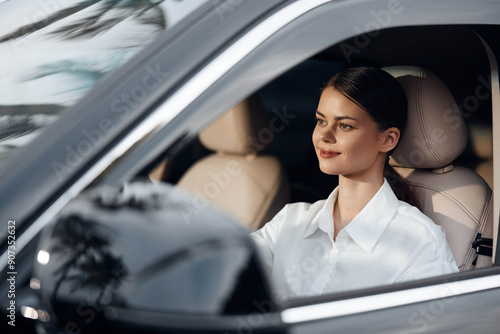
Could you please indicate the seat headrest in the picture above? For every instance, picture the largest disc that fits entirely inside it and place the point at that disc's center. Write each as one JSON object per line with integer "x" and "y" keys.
{"x": 239, "y": 130}
{"x": 435, "y": 133}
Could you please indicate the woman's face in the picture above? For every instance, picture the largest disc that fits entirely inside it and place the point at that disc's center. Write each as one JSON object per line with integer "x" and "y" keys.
{"x": 346, "y": 139}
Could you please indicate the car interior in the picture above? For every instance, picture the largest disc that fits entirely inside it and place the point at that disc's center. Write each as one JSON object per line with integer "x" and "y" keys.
{"x": 259, "y": 156}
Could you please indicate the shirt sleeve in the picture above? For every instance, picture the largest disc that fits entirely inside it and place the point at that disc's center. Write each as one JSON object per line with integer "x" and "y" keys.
{"x": 427, "y": 270}
{"x": 431, "y": 256}
{"x": 267, "y": 236}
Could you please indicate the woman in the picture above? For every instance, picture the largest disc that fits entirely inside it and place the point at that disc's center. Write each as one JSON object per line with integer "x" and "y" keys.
{"x": 367, "y": 232}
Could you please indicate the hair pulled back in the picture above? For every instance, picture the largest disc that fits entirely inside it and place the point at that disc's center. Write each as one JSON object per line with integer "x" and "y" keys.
{"x": 382, "y": 97}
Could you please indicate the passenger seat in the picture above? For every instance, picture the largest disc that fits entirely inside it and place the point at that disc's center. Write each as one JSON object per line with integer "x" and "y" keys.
{"x": 454, "y": 197}
{"x": 251, "y": 187}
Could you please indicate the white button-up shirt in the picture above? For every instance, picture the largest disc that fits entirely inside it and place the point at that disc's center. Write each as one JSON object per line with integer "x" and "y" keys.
{"x": 389, "y": 241}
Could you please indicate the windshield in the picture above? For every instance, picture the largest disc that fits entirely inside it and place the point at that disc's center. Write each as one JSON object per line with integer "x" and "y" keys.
{"x": 52, "y": 52}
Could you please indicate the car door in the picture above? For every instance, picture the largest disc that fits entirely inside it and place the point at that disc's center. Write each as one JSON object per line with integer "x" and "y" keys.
{"x": 177, "y": 111}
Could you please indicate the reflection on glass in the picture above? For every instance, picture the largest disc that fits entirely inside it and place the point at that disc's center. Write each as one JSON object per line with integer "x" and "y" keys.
{"x": 52, "y": 53}
{"x": 88, "y": 260}
{"x": 29, "y": 312}
{"x": 35, "y": 283}
{"x": 43, "y": 257}
{"x": 43, "y": 316}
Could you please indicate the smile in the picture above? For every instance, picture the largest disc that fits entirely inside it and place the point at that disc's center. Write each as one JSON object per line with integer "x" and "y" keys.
{"x": 327, "y": 154}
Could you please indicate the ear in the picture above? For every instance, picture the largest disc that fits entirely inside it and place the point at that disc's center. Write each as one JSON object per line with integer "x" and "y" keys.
{"x": 390, "y": 139}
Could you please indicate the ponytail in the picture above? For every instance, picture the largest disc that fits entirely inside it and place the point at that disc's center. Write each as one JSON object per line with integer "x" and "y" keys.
{"x": 403, "y": 190}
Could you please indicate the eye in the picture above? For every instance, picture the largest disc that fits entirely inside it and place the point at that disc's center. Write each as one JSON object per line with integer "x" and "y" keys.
{"x": 321, "y": 122}
{"x": 344, "y": 126}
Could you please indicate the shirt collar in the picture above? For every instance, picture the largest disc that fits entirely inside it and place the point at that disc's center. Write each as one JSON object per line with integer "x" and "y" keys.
{"x": 324, "y": 217}
{"x": 367, "y": 227}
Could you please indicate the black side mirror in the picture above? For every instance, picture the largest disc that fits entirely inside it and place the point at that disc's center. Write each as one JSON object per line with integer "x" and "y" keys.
{"x": 139, "y": 258}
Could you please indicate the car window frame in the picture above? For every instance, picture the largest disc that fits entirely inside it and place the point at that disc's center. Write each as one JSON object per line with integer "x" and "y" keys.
{"x": 485, "y": 279}
{"x": 491, "y": 45}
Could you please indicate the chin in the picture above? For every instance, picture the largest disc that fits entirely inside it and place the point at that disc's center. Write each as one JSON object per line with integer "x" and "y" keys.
{"x": 328, "y": 170}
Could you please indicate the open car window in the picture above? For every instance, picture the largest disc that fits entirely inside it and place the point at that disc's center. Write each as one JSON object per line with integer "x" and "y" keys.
{"x": 285, "y": 77}
{"x": 289, "y": 102}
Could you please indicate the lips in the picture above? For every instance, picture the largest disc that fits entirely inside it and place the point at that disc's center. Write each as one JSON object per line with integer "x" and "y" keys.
{"x": 328, "y": 154}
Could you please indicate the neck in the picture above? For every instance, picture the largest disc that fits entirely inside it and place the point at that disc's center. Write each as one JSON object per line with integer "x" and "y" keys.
{"x": 353, "y": 195}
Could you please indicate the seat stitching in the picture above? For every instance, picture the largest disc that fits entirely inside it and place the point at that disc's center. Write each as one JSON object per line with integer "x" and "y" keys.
{"x": 422, "y": 121}
{"x": 484, "y": 218}
{"x": 448, "y": 196}
{"x": 479, "y": 223}
{"x": 484, "y": 215}
{"x": 480, "y": 227}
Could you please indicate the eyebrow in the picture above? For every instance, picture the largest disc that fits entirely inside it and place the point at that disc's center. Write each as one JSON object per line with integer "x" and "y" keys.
{"x": 337, "y": 118}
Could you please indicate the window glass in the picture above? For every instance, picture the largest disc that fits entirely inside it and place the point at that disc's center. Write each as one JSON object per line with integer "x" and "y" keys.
{"x": 53, "y": 52}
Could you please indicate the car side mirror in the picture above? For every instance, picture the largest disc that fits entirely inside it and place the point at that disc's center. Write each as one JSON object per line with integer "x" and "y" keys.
{"x": 141, "y": 257}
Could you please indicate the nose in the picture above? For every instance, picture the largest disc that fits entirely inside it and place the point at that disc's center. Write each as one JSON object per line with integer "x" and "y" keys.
{"x": 327, "y": 136}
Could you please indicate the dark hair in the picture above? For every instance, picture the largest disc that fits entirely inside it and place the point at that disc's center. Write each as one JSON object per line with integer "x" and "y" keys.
{"x": 382, "y": 97}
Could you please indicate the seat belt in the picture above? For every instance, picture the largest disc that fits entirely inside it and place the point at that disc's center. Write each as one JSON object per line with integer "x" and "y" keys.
{"x": 483, "y": 246}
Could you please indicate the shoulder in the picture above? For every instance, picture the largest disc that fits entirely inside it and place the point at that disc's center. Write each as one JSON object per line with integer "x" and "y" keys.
{"x": 410, "y": 217}
{"x": 293, "y": 219}
{"x": 418, "y": 232}
{"x": 294, "y": 215}
{"x": 428, "y": 250}
{"x": 298, "y": 213}
{"x": 421, "y": 233}
{"x": 303, "y": 207}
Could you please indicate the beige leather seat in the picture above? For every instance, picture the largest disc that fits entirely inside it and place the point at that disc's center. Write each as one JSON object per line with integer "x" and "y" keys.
{"x": 251, "y": 187}
{"x": 455, "y": 197}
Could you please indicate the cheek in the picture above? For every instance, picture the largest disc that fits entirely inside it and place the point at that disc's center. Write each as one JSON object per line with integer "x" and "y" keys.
{"x": 365, "y": 148}
{"x": 315, "y": 136}
{"x": 359, "y": 146}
